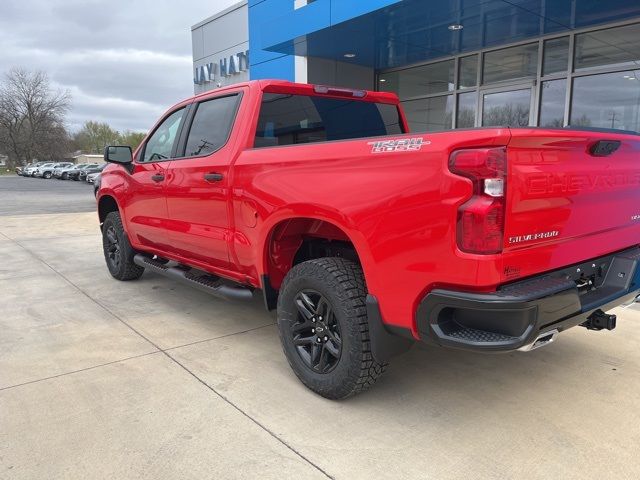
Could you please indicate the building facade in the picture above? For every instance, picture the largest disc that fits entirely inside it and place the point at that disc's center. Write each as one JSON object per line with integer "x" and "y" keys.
{"x": 462, "y": 63}
{"x": 221, "y": 49}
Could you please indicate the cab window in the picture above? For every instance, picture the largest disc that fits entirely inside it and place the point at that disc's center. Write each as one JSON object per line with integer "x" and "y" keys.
{"x": 160, "y": 144}
{"x": 287, "y": 119}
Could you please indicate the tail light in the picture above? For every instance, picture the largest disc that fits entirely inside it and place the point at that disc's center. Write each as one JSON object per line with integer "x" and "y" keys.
{"x": 480, "y": 225}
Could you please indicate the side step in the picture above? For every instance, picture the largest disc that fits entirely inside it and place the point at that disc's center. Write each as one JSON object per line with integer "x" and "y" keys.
{"x": 206, "y": 283}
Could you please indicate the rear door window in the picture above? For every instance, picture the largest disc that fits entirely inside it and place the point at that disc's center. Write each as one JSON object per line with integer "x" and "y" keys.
{"x": 211, "y": 126}
{"x": 291, "y": 119}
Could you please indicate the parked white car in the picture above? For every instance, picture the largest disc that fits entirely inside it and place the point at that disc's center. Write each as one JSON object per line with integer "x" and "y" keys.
{"x": 44, "y": 171}
{"x": 30, "y": 170}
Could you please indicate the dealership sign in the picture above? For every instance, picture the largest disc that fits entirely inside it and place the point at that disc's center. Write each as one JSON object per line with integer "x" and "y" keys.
{"x": 225, "y": 67}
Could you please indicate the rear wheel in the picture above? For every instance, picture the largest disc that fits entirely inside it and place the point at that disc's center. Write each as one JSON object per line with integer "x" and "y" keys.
{"x": 323, "y": 326}
{"x": 118, "y": 252}
{"x": 46, "y": 175}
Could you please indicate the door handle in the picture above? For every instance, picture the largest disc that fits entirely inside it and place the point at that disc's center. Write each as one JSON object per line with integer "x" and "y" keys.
{"x": 158, "y": 177}
{"x": 213, "y": 177}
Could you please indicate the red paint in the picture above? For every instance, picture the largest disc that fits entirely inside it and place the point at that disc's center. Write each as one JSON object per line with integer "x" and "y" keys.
{"x": 398, "y": 208}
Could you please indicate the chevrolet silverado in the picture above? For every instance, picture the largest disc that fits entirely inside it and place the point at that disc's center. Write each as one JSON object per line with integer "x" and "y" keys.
{"x": 367, "y": 238}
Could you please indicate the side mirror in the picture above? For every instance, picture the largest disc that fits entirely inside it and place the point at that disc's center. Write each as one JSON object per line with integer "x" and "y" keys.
{"x": 118, "y": 154}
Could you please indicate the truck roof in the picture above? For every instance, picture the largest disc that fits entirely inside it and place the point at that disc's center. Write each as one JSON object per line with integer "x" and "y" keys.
{"x": 284, "y": 86}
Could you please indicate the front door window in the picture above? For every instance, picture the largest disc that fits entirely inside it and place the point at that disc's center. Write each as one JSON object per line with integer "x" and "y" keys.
{"x": 160, "y": 145}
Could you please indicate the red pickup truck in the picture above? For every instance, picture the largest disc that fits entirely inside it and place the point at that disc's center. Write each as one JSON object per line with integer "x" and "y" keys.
{"x": 367, "y": 238}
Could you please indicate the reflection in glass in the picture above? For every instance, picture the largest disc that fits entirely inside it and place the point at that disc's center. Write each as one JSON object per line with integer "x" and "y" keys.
{"x": 418, "y": 81}
{"x": 618, "y": 47}
{"x": 429, "y": 114}
{"x": 468, "y": 71}
{"x": 466, "y": 116}
{"x": 610, "y": 100}
{"x": 507, "y": 108}
{"x": 510, "y": 63}
{"x": 556, "y": 56}
{"x": 552, "y": 103}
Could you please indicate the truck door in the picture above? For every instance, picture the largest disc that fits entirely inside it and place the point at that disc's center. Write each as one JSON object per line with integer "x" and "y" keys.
{"x": 198, "y": 184}
{"x": 146, "y": 207}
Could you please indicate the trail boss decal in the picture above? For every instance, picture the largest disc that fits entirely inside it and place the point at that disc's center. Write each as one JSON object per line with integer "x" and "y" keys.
{"x": 400, "y": 145}
{"x": 533, "y": 236}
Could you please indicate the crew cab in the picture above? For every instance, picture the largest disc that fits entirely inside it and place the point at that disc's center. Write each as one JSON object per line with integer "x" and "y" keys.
{"x": 367, "y": 238}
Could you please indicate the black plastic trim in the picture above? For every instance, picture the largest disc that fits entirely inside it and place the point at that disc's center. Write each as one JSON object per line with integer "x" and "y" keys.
{"x": 385, "y": 344}
{"x": 269, "y": 294}
{"x": 515, "y": 315}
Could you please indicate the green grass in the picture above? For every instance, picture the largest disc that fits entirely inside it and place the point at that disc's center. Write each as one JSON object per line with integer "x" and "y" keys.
{"x": 6, "y": 171}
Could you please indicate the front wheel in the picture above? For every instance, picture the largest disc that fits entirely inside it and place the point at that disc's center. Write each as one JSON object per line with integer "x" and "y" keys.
{"x": 323, "y": 327}
{"x": 46, "y": 175}
{"x": 118, "y": 252}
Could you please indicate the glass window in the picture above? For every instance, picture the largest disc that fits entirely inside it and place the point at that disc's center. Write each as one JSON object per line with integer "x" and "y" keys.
{"x": 556, "y": 56}
{"x": 617, "y": 47}
{"x": 419, "y": 81}
{"x": 160, "y": 144}
{"x": 429, "y": 114}
{"x": 211, "y": 126}
{"x": 510, "y": 108}
{"x": 610, "y": 100}
{"x": 468, "y": 75}
{"x": 466, "y": 117}
{"x": 552, "y": 103}
{"x": 292, "y": 119}
{"x": 510, "y": 63}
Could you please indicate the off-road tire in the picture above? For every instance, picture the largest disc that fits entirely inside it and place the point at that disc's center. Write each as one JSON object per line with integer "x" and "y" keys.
{"x": 119, "y": 257}
{"x": 341, "y": 282}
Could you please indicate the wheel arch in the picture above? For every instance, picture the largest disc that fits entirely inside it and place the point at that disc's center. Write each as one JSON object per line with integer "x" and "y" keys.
{"x": 106, "y": 205}
{"x": 293, "y": 239}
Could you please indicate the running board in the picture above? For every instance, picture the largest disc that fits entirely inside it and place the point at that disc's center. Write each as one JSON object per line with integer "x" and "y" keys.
{"x": 206, "y": 283}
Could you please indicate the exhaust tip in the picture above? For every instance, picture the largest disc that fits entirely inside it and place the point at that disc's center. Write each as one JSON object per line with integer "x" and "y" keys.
{"x": 543, "y": 339}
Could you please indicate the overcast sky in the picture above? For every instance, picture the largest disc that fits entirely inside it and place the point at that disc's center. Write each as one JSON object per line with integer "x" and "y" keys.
{"x": 124, "y": 62}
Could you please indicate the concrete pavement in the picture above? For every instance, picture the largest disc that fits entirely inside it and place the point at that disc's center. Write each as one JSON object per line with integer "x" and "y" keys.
{"x": 151, "y": 379}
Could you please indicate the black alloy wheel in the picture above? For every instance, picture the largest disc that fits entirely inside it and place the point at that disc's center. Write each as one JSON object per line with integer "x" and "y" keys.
{"x": 112, "y": 247}
{"x": 118, "y": 252}
{"x": 316, "y": 333}
{"x": 324, "y": 329}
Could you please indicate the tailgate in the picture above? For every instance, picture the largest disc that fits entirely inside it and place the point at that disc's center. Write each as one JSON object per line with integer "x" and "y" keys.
{"x": 578, "y": 189}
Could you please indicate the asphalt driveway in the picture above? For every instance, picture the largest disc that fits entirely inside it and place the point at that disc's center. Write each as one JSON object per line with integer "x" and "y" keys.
{"x": 151, "y": 379}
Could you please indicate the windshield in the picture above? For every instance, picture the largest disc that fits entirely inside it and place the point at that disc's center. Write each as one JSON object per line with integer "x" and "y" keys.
{"x": 290, "y": 119}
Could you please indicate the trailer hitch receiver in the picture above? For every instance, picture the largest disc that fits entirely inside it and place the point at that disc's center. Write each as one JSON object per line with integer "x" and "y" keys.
{"x": 599, "y": 320}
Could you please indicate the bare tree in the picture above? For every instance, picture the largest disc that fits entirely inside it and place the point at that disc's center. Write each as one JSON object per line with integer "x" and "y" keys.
{"x": 32, "y": 117}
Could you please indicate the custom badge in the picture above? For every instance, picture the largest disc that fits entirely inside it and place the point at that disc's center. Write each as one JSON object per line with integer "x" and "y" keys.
{"x": 399, "y": 145}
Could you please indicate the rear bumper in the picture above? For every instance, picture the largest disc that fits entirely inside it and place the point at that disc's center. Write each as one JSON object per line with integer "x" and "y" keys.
{"x": 514, "y": 316}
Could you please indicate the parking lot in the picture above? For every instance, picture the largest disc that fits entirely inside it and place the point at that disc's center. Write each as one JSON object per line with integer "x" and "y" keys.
{"x": 151, "y": 379}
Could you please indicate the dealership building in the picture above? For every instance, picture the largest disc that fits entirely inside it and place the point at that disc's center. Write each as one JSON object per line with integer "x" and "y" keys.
{"x": 453, "y": 63}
